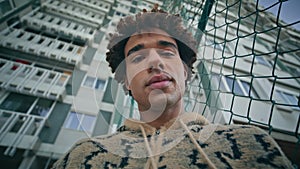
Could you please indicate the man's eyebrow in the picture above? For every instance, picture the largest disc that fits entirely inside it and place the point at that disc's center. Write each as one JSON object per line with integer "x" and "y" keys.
{"x": 135, "y": 48}
{"x": 166, "y": 44}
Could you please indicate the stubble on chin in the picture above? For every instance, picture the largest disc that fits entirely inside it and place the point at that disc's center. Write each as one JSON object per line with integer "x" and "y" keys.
{"x": 157, "y": 103}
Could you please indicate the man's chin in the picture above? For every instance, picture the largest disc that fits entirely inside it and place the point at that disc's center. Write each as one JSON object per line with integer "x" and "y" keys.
{"x": 158, "y": 101}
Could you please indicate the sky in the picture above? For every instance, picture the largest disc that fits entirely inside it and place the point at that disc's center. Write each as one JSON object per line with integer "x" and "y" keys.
{"x": 290, "y": 10}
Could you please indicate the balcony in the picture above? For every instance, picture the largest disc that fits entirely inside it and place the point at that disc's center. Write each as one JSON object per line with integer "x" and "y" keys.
{"x": 42, "y": 46}
{"x": 80, "y": 14}
{"x": 19, "y": 131}
{"x": 27, "y": 79}
{"x": 52, "y": 24}
{"x": 94, "y": 4}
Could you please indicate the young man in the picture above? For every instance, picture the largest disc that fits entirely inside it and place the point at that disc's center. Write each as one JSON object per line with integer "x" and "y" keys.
{"x": 152, "y": 55}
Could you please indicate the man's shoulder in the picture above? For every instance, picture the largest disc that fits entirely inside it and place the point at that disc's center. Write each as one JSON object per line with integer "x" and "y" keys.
{"x": 102, "y": 142}
{"x": 239, "y": 128}
{"x": 239, "y": 132}
{"x": 243, "y": 131}
{"x": 97, "y": 140}
{"x": 82, "y": 151}
{"x": 245, "y": 145}
{"x": 242, "y": 136}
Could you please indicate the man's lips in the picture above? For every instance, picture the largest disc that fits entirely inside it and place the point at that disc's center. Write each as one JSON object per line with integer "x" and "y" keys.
{"x": 159, "y": 81}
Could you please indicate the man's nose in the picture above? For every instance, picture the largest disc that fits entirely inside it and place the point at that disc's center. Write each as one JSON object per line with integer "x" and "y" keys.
{"x": 155, "y": 61}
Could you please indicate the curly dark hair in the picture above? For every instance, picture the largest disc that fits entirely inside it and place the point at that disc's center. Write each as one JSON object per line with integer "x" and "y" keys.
{"x": 145, "y": 20}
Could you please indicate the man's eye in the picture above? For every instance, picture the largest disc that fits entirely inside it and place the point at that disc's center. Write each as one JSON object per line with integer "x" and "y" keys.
{"x": 167, "y": 53}
{"x": 137, "y": 59}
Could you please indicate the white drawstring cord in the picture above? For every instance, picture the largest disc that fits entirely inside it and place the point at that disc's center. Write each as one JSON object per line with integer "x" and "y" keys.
{"x": 148, "y": 148}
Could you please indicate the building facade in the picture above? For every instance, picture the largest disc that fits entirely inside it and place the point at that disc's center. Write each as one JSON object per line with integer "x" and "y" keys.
{"x": 57, "y": 88}
{"x": 248, "y": 66}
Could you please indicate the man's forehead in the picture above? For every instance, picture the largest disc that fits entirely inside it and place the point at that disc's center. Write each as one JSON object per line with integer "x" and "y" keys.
{"x": 152, "y": 35}
{"x": 154, "y": 39}
{"x": 151, "y": 38}
{"x": 151, "y": 32}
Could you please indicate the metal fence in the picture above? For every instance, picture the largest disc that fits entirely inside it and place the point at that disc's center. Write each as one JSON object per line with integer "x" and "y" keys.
{"x": 248, "y": 64}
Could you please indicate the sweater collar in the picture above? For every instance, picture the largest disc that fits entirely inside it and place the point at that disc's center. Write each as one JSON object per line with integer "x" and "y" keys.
{"x": 187, "y": 118}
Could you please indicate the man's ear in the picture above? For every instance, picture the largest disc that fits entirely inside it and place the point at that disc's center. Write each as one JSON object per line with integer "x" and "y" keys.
{"x": 186, "y": 69}
{"x": 126, "y": 83}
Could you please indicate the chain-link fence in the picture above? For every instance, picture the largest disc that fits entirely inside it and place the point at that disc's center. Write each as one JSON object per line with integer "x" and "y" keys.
{"x": 247, "y": 70}
{"x": 248, "y": 65}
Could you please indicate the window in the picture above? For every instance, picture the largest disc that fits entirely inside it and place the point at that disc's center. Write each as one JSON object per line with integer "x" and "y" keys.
{"x": 236, "y": 86}
{"x": 217, "y": 80}
{"x": 89, "y": 81}
{"x": 263, "y": 61}
{"x": 5, "y": 7}
{"x": 217, "y": 44}
{"x": 285, "y": 97}
{"x": 100, "y": 84}
{"x": 81, "y": 122}
{"x": 293, "y": 70}
{"x": 95, "y": 83}
{"x": 42, "y": 107}
{"x": 27, "y": 104}
{"x": 17, "y": 102}
{"x": 240, "y": 87}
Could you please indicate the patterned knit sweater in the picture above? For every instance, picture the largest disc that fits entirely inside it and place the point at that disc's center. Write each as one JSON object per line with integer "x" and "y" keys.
{"x": 186, "y": 142}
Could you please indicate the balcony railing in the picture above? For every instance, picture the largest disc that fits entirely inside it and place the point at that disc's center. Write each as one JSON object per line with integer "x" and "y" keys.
{"x": 94, "y": 4}
{"x": 31, "y": 80}
{"x": 41, "y": 46}
{"x": 19, "y": 130}
{"x": 73, "y": 12}
{"x": 52, "y": 24}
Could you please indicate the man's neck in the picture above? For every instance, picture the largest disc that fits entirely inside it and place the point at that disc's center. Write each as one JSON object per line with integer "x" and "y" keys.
{"x": 157, "y": 120}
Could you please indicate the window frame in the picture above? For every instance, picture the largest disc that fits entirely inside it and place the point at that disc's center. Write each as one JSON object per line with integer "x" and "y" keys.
{"x": 217, "y": 46}
{"x": 69, "y": 122}
{"x": 263, "y": 61}
{"x": 94, "y": 83}
{"x": 41, "y": 107}
{"x": 283, "y": 99}
{"x": 225, "y": 87}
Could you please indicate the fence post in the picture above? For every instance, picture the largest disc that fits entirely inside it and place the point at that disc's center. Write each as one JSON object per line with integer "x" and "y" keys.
{"x": 203, "y": 20}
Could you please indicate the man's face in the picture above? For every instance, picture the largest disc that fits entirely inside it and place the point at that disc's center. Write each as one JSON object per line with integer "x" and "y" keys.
{"x": 155, "y": 73}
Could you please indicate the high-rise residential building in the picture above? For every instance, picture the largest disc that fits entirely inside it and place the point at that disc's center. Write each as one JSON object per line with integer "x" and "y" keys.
{"x": 57, "y": 88}
{"x": 248, "y": 67}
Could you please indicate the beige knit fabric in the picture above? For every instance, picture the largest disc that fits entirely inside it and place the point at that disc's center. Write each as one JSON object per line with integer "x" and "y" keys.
{"x": 186, "y": 142}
